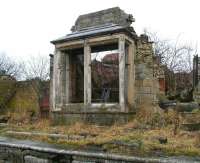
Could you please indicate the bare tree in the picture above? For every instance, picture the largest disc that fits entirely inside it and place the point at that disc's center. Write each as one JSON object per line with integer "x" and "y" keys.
{"x": 175, "y": 56}
{"x": 36, "y": 67}
{"x": 10, "y": 67}
{"x": 36, "y": 71}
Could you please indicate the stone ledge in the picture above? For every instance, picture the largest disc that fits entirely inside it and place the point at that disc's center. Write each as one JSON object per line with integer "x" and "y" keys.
{"x": 89, "y": 108}
{"x": 15, "y": 150}
{"x": 54, "y": 136}
{"x": 99, "y": 118}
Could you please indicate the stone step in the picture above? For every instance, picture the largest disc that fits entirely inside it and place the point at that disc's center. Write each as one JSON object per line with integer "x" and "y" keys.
{"x": 55, "y": 136}
{"x": 190, "y": 126}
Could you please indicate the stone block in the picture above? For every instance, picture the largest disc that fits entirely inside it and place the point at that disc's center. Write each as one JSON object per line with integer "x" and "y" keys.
{"x": 148, "y": 83}
{"x": 107, "y": 118}
{"x": 32, "y": 159}
{"x": 109, "y": 16}
{"x": 145, "y": 90}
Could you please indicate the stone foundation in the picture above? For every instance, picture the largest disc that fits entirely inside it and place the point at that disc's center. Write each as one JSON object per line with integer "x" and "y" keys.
{"x": 99, "y": 118}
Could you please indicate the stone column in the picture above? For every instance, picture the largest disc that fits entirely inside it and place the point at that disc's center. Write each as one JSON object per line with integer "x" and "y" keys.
{"x": 59, "y": 80}
{"x": 56, "y": 81}
{"x": 62, "y": 67}
{"x": 121, "y": 47}
{"x": 67, "y": 79}
{"x": 131, "y": 75}
{"x": 87, "y": 73}
{"x": 51, "y": 82}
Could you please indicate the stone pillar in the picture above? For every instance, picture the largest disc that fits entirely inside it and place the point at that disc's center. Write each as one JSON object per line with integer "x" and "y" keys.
{"x": 67, "y": 79}
{"x": 62, "y": 67}
{"x": 121, "y": 47}
{"x": 51, "y": 82}
{"x": 51, "y": 66}
{"x": 59, "y": 80}
{"x": 131, "y": 76}
{"x": 56, "y": 81}
{"x": 87, "y": 73}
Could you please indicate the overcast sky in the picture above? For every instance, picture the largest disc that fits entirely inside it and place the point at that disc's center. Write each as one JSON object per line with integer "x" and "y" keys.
{"x": 28, "y": 26}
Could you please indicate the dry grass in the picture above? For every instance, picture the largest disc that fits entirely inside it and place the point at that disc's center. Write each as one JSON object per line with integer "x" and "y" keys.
{"x": 183, "y": 143}
{"x": 145, "y": 129}
{"x": 150, "y": 115}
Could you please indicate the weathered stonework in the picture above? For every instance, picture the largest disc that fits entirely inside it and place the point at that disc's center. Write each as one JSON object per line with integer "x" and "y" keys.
{"x": 92, "y": 33}
{"x": 146, "y": 83}
{"x": 14, "y": 151}
{"x": 196, "y": 77}
{"x": 108, "y": 16}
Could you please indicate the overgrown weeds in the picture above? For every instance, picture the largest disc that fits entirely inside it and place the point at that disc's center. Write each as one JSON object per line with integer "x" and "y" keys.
{"x": 139, "y": 137}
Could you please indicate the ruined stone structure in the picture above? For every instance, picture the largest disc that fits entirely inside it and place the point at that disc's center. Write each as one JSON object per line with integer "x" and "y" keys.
{"x": 159, "y": 73}
{"x": 196, "y": 78}
{"x": 146, "y": 74}
{"x": 196, "y": 70}
{"x": 101, "y": 71}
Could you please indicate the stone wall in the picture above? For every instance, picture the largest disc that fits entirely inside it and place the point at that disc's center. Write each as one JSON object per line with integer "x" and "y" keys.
{"x": 24, "y": 99}
{"x": 146, "y": 84}
{"x": 196, "y": 93}
{"x": 93, "y": 114}
{"x": 7, "y": 91}
{"x": 13, "y": 151}
{"x": 98, "y": 118}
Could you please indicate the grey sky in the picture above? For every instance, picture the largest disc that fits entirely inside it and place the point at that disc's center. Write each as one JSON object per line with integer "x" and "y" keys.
{"x": 28, "y": 26}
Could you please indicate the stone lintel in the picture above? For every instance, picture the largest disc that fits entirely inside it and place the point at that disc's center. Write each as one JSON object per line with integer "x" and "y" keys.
{"x": 92, "y": 41}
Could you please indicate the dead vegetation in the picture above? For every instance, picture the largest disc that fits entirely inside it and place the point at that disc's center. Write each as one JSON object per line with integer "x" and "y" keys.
{"x": 152, "y": 132}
